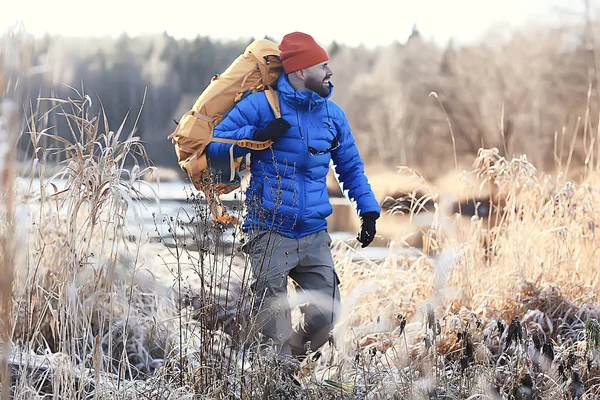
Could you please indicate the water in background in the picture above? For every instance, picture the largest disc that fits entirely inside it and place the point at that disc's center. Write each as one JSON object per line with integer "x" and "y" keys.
{"x": 149, "y": 216}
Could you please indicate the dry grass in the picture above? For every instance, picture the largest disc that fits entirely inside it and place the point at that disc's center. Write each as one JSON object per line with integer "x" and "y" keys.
{"x": 112, "y": 317}
{"x": 502, "y": 310}
{"x": 538, "y": 268}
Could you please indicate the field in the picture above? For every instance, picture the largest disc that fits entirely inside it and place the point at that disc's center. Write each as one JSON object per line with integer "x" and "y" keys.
{"x": 463, "y": 305}
{"x": 506, "y": 309}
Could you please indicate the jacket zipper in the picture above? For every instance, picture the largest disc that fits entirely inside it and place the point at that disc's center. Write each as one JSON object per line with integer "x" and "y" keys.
{"x": 303, "y": 183}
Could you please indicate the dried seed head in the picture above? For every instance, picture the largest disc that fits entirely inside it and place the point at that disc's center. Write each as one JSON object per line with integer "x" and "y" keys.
{"x": 402, "y": 319}
{"x": 430, "y": 317}
{"x": 515, "y": 333}
{"x": 592, "y": 333}
{"x": 548, "y": 350}
{"x": 561, "y": 371}
{"x": 537, "y": 341}
{"x": 469, "y": 349}
{"x": 500, "y": 326}
{"x": 427, "y": 342}
{"x": 331, "y": 340}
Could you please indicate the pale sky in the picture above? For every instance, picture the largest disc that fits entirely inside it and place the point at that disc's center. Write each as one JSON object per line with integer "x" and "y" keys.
{"x": 371, "y": 22}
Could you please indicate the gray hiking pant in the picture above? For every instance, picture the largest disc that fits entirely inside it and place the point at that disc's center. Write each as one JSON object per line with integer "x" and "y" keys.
{"x": 308, "y": 261}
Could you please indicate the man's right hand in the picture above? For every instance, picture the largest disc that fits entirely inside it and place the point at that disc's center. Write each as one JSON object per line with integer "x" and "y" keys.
{"x": 273, "y": 131}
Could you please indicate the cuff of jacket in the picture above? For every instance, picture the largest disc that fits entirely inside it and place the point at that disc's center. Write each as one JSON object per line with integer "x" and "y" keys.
{"x": 370, "y": 214}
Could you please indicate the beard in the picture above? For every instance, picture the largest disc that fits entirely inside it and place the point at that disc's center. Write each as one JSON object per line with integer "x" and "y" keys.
{"x": 317, "y": 86}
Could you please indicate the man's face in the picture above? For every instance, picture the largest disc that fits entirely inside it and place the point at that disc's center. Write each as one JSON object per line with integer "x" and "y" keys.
{"x": 317, "y": 78}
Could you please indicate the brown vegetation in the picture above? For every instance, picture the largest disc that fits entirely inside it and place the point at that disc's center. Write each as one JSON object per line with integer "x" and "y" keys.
{"x": 91, "y": 309}
{"x": 535, "y": 95}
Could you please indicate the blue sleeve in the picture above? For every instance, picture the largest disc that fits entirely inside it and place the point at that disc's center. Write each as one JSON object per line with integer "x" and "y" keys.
{"x": 240, "y": 123}
{"x": 351, "y": 171}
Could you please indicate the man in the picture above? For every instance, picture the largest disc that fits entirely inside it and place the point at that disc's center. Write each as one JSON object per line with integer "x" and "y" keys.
{"x": 287, "y": 200}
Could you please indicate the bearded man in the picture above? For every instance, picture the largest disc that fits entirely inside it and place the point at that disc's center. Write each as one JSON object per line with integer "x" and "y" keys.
{"x": 287, "y": 200}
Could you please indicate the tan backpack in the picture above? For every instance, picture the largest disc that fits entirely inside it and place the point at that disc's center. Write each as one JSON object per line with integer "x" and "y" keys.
{"x": 257, "y": 69}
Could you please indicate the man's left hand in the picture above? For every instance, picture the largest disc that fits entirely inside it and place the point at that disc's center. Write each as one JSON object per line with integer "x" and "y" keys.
{"x": 367, "y": 229}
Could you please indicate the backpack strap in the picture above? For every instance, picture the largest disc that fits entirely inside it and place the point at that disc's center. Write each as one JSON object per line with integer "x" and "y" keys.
{"x": 273, "y": 98}
{"x": 250, "y": 144}
{"x": 203, "y": 117}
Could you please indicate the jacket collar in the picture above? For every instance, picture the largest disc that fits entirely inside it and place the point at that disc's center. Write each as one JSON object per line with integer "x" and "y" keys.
{"x": 302, "y": 99}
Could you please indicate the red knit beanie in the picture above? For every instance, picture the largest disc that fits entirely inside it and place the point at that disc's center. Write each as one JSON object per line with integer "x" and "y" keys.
{"x": 299, "y": 50}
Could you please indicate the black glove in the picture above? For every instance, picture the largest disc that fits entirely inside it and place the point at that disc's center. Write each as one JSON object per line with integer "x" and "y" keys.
{"x": 367, "y": 228}
{"x": 273, "y": 131}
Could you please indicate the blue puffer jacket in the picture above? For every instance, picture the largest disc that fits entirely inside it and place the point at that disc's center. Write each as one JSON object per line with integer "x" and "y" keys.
{"x": 287, "y": 190}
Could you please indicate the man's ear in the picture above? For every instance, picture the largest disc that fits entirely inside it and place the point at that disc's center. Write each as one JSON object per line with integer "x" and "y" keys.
{"x": 301, "y": 74}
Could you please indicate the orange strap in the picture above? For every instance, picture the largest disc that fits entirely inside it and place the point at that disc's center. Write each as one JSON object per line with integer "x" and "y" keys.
{"x": 273, "y": 98}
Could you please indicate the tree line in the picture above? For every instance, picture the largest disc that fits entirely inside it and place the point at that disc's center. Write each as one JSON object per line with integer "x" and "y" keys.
{"x": 411, "y": 103}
